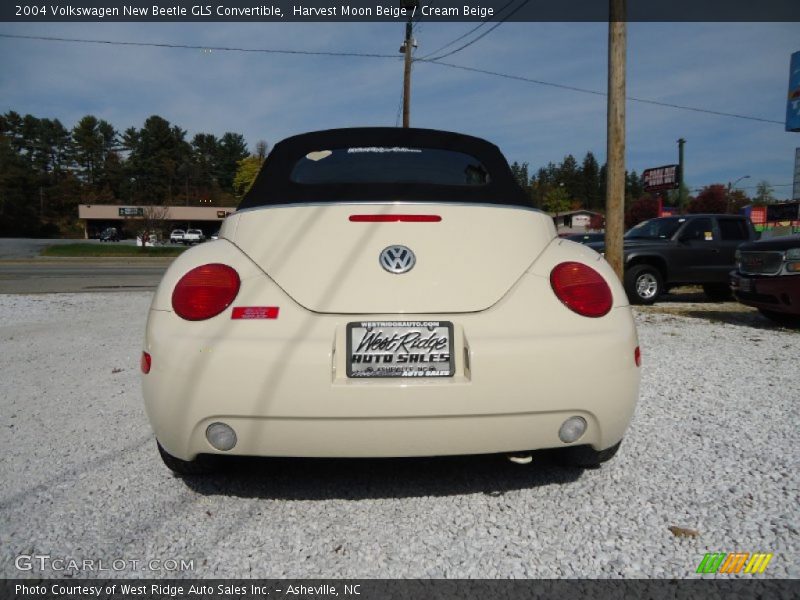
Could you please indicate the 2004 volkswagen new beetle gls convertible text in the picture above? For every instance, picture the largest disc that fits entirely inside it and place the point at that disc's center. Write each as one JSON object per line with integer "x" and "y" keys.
{"x": 388, "y": 292}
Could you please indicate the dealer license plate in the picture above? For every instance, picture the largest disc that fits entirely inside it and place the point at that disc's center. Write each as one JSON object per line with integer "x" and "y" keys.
{"x": 400, "y": 349}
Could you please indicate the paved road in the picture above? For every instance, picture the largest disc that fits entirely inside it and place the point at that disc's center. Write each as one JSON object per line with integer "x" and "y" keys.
{"x": 23, "y": 271}
{"x": 21, "y": 248}
{"x": 34, "y": 276}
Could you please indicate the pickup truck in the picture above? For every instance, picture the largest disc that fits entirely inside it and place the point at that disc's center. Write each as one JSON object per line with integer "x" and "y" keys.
{"x": 767, "y": 276}
{"x": 688, "y": 249}
{"x": 193, "y": 236}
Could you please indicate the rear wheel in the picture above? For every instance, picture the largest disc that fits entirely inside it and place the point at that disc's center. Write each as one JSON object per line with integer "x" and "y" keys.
{"x": 586, "y": 457}
{"x": 201, "y": 465}
{"x": 643, "y": 284}
{"x": 717, "y": 292}
{"x": 781, "y": 318}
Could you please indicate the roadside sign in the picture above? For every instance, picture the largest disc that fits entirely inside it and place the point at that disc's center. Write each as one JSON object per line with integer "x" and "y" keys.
{"x": 660, "y": 178}
{"x": 131, "y": 211}
{"x": 793, "y": 100}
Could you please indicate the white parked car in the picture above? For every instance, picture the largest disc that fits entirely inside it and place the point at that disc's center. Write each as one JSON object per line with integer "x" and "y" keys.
{"x": 176, "y": 237}
{"x": 150, "y": 239}
{"x": 388, "y": 292}
{"x": 193, "y": 236}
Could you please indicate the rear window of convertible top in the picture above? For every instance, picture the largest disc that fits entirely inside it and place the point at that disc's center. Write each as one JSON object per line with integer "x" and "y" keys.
{"x": 383, "y": 164}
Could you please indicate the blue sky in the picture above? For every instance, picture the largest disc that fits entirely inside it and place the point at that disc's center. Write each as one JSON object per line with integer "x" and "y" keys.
{"x": 732, "y": 67}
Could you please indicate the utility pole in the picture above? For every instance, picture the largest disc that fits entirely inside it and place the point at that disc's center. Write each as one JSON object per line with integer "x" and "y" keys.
{"x": 681, "y": 199}
{"x": 407, "y": 77}
{"x": 615, "y": 151}
{"x": 409, "y": 6}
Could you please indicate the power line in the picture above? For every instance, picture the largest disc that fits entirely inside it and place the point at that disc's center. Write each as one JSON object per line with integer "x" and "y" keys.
{"x": 434, "y": 61}
{"x": 594, "y": 92}
{"x": 484, "y": 34}
{"x": 753, "y": 187}
{"x": 744, "y": 187}
{"x": 193, "y": 47}
{"x": 461, "y": 37}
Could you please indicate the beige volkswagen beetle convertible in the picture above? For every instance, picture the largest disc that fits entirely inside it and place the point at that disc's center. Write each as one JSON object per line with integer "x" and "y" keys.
{"x": 388, "y": 292}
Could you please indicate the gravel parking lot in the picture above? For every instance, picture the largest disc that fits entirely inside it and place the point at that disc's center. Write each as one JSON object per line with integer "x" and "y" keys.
{"x": 713, "y": 448}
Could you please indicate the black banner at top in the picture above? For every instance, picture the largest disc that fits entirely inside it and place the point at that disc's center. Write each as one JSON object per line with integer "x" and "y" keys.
{"x": 394, "y": 10}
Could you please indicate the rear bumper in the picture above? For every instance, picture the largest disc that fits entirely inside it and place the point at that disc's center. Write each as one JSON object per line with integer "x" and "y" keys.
{"x": 393, "y": 436}
{"x": 779, "y": 293}
{"x": 286, "y": 393}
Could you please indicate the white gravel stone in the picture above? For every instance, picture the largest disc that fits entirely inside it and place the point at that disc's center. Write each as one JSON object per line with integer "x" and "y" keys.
{"x": 713, "y": 447}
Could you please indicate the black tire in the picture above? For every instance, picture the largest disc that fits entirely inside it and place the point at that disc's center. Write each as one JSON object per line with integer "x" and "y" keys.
{"x": 201, "y": 465}
{"x": 586, "y": 457}
{"x": 643, "y": 284}
{"x": 784, "y": 319}
{"x": 717, "y": 292}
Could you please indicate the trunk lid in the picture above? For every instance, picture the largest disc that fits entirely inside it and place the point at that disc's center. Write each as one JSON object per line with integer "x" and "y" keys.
{"x": 329, "y": 263}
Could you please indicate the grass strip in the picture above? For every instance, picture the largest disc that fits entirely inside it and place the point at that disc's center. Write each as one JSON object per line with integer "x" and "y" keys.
{"x": 110, "y": 249}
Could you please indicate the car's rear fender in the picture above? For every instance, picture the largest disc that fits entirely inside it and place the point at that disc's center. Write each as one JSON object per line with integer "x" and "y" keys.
{"x": 560, "y": 250}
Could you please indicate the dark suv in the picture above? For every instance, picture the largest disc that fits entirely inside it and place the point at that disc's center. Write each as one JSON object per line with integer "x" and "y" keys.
{"x": 767, "y": 276}
{"x": 687, "y": 249}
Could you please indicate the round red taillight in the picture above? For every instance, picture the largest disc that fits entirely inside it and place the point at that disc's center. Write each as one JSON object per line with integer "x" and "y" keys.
{"x": 582, "y": 289}
{"x": 146, "y": 362}
{"x": 205, "y": 291}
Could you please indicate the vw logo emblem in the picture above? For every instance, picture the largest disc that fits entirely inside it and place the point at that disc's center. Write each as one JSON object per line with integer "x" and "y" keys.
{"x": 397, "y": 259}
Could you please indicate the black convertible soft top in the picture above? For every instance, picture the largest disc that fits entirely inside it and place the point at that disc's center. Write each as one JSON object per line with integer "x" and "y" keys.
{"x": 277, "y": 183}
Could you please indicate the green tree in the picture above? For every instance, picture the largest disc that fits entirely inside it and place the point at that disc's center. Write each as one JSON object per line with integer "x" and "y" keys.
{"x": 18, "y": 185}
{"x": 43, "y": 146}
{"x": 155, "y": 153}
{"x": 569, "y": 175}
{"x": 47, "y": 168}
{"x": 520, "y": 173}
{"x": 603, "y": 182}
{"x": 557, "y": 200}
{"x": 56, "y": 147}
{"x": 634, "y": 186}
{"x": 231, "y": 149}
{"x": 540, "y": 185}
{"x": 11, "y": 128}
{"x": 590, "y": 183}
{"x": 205, "y": 149}
{"x": 679, "y": 198}
{"x": 246, "y": 174}
{"x": 93, "y": 140}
